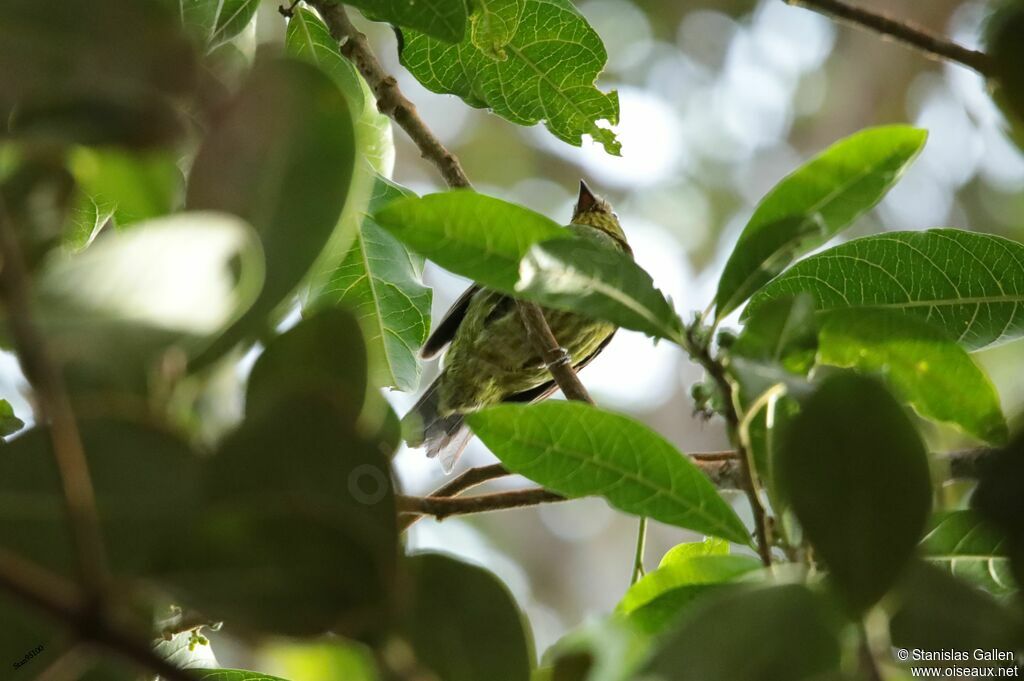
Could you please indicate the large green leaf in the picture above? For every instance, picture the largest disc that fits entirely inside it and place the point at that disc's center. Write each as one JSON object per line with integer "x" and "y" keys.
{"x": 548, "y": 73}
{"x": 215, "y": 22}
{"x": 813, "y": 204}
{"x": 477, "y": 236}
{"x": 969, "y": 548}
{"x": 578, "y": 450}
{"x": 853, "y": 468}
{"x": 442, "y": 19}
{"x": 281, "y": 156}
{"x": 971, "y": 285}
{"x": 322, "y": 354}
{"x": 782, "y": 633}
{"x": 298, "y": 533}
{"x": 381, "y": 281}
{"x": 921, "y": 364}
{"x": 659, "y": 598}
{"x": 93, "y": 72}
{"x": 596, "y": 280}
{"x": 494, "y": 23}
{"x": 147, "y": 482}
{"x": 464, "y": 624}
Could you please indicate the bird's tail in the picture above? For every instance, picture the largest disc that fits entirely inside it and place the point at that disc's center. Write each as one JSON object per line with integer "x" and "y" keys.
{"x": 443, "y": 436}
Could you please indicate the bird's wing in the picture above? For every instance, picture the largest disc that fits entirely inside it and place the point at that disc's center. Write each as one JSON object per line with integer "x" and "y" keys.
{"x": 546, "y": 389}
{"x": 449, "y": 324}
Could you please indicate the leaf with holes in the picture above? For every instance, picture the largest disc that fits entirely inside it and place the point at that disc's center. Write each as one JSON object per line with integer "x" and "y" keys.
{"x": 971, "y": 549}
{"x": 548, "y": 74}
{"x": 381, "y": 281}
{"x": 579, "y": 450}
{"x": 970, "y": 285}
{"x": 813, "y": 204}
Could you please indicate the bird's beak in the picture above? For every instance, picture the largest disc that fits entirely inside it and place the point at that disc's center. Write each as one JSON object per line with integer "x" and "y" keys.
{"x": 587, "y": 201}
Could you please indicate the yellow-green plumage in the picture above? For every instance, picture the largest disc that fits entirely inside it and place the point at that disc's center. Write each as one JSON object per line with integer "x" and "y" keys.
{"x": 492, "y": 359}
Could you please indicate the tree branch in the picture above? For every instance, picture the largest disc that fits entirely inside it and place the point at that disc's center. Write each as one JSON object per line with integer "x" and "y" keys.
{"x": 54, "y": 406}
{"x": 442, "y": 507}
{"x": 933, "y": 46}
{"x": 392, "y": 103}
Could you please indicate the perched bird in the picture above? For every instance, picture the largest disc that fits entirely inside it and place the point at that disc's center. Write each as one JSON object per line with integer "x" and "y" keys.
{"x": 492, "y": 359}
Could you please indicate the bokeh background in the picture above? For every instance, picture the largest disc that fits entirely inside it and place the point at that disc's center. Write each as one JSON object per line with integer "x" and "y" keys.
{"x": 719, "y": 100}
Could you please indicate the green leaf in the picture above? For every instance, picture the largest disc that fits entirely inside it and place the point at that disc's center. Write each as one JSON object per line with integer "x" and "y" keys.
{"x": 494, "y": 23}
{"x": 1002, "y": 45}
{"x": 147, "y": 482}
{"x": 548, "y": 74}
{"x": 9, "y": 423}
{"x": 813, "y": 204}
{"x": 711, "y": 546}
{"x": 131, "y": 186}
{"x": 110, "y": 311}
{"x": 853, "y": 469}
{"x": 322, "y": 355}
{"x": 658, "y": 598}
{"x": 783, "y": 332}
{"x": 442, "y": 19}
{"x": 298, "y": 508}
{"x": 477, "y": 236}
{"x": 963, "y": 544}
{"x": 75, "y": 72}
{"x": 782, "y": 633}
{"x": 578, "y": 450}
{"x": 381, "y": 281}
{"x": 936, "y": 611}
{"x": 331, "y": 659}
{"x": 281, "y": 156}
{"x": 595, "y": 280}
{"x": 464, "y": 624}
{"x": 920, "y": 363}
{"x": 999, "y": 498}
{"x": 215, "y": 22}
{"x": 971, "y": 285}
{"x": 607, "y": 649}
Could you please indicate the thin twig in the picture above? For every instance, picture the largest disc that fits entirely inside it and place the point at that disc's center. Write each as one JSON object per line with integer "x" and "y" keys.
{"x": 466, "y": 480}
{"x": 63, "y": 602}
{"x": 638, "y": 556}
{"x": 697, "y": 348}
{"x": 907, "y": 33}
{"x": 392, "y": 103}
{"x": 442, "y": 507}
{"x": 55, "y": 406}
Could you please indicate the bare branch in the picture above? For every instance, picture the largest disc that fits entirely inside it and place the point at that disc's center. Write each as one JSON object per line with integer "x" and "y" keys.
{"x": 933, "y": 46}
{"x": 442, "y": 507}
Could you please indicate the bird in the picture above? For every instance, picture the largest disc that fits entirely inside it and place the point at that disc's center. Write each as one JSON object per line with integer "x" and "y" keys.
{"x": 491, "y": 359}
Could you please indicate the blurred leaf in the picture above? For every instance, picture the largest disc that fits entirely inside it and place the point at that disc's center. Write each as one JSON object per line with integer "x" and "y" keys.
{"x": 281, "y": 157}
{"x": 73, "y": 73}
{"x": 147, "y": 482}
{"x": 658, "y": 598}
{"x": 187, "y": 651}
{"x": 782, "y": 633}
{"x": 36, "y": 196}
{"x": 920, "y": 363}
{"x": 9, "y": 423}
{"x": 964, "y": 545}
{"x": 299, "y": 510}
{"x": 477, "y": 236}
{"x": 382, "y": 282}
{"x": 970, "y": 285}
{"x": 552, "y": 62}
{"x": 1003, "y": 29}
{"x": 999, "y": 498}
{"x": 215, "y": 22}
{"x": 128, "y": 187}
{"x": 935, "y": 611}
{"x": 464, "y": 624}
{"x": 578, "y": 450}
{"x": 442, "y": 19}
{"x": 853, "y": 468}
{"x": 494, "y": 23}
{"x": 231, "y": 675}
{"x": 332, "y": 659}
{"x": 609, "y": 649}
{"x": 783, "y": 332}
{"x": 110, "y": 311}
{"x": 813, "y": 204}
{"x": 711, "y": 546}
{"x": 322, "y": 355}
{"x": 596, "y": 280}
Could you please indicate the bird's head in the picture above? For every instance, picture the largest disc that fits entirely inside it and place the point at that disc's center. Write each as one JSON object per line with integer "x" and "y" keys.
{"x": 594, "y": 211}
